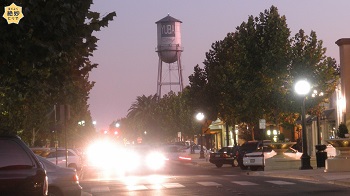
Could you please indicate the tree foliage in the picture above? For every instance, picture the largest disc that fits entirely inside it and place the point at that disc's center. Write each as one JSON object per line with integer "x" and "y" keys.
{"x": 162, "y": 119}
{"x": 45, "y": 61}
{"x": 250, "y": 74}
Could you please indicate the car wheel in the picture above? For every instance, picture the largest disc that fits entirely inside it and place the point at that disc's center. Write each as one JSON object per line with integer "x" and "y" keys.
{"x": 254, "y": 168}
{"x": 218, "y": 165}
{"x": 235, "y": 163}
{"x": 53, "y": 191}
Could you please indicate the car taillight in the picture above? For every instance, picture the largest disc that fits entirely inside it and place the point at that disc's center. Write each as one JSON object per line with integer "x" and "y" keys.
{"x": 75, "y": 178}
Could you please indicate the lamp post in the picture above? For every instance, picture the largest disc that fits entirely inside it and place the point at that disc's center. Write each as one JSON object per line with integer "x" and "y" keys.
{"x": 302, "y": 87}
{"x": 200, "y": 117}
{"x": 320, "y": 94}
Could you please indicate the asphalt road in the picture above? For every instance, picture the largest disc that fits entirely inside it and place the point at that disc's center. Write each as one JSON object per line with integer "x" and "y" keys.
{"x": 186, "y": 179}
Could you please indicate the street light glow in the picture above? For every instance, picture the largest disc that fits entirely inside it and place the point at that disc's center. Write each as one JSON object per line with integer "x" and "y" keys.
{"x": 200, "y": 116}
{"x": 302, "y": 87}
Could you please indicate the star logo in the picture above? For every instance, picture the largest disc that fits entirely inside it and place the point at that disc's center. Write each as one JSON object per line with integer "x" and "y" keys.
{"x": 13, "y": 13}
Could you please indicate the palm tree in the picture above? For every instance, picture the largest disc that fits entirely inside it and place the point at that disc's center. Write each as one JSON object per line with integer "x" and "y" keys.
{"x": 142, "y": 112}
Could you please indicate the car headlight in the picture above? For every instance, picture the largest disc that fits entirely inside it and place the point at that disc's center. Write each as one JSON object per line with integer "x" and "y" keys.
{"x": 133, "y": 161}
{"x": 155, "y": 160}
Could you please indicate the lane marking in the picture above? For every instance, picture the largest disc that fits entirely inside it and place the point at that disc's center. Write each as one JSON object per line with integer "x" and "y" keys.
{"x": 172, "y": 185}
{"x": 209, "y": 183}
{"x": 244, "y": 183}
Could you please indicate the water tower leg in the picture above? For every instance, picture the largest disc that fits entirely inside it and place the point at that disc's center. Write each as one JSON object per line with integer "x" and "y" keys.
{"x": 159, "y": 80}
{"x": 179, "y": 67}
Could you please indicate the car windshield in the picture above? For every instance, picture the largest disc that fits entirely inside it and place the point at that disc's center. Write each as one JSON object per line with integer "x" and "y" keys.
{"x": 60, "y": 153}
{"x": 12, "y": 154}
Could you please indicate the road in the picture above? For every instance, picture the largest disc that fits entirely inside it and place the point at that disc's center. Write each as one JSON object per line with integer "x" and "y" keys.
{"x": 187, "y": 179}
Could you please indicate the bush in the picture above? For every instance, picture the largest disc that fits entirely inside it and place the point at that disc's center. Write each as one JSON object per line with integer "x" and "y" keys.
{"x": 342, "y": 130}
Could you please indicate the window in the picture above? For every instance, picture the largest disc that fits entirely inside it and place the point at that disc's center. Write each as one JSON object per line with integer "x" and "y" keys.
{"x": 11, "y": 153}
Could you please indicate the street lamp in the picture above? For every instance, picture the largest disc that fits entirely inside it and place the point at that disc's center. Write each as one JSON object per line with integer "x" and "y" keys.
{"x": 200, "y": 117}
{"x": 320, "y": 94}
{"x": 302, "y": 87}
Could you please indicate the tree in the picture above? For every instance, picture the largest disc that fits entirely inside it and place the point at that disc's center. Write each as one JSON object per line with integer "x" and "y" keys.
{"x": 252, "y": 71}
{"x": 162, "y": 118}
{"x": 142, "y": 113}
{"x": 45, "y": 61}
{"x": 176, "y": 114}
{"x": 342, "y": 130}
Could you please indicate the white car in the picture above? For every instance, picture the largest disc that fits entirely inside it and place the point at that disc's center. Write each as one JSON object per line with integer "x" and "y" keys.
{"x": 59, "y": 158}
{"x": 255, "y": 160}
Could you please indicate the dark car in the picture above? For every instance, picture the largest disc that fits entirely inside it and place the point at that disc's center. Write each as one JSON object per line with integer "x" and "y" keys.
{"x": 226, "y": 155}
{"x": 21, "y": 173}
{"x": 248, "y": 147}
{"x": 62, "y": 181}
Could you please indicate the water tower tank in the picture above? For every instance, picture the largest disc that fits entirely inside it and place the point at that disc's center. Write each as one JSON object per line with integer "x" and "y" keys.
{"x": 169, "y": 39}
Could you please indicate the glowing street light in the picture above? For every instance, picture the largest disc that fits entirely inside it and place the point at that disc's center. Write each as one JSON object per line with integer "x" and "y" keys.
{"x": 117, "y": 124}
{"x": 302, "y": 88}
{"x": 200, "y": 117}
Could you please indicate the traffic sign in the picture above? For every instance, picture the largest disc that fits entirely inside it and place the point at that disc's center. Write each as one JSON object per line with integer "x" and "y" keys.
{"x": 262, "y": 124}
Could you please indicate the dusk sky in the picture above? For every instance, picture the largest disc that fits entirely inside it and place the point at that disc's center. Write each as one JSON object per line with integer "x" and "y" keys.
{"x": 128, "y": 63}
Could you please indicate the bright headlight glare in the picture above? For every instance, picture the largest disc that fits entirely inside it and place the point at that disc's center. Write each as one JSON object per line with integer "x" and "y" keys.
{"x": 155, "y": 160}
{"x": 103, "y": 154}
{"x": 134, "y": 161}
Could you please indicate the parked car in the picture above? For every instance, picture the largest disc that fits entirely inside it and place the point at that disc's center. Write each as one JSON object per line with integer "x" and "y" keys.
{"x": 248, "y": 147}
{"x": 21, "y": 173}
{"x": 256, "y": 160}
{"x": 62, "y": 181}
{"x": 59, "y": 157}
{"x": 226, "y": 155}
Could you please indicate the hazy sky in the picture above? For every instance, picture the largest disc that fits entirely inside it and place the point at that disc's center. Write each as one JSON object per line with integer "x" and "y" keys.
{"x": 128, "y": 63}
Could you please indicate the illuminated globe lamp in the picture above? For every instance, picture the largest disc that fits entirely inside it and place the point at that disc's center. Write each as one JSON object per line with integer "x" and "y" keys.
{"x": 302, "y": 88}
{"x": 200, "y": 117}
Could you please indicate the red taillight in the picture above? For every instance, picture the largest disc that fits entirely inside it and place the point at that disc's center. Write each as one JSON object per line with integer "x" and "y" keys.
{"x": 75, "y": 178}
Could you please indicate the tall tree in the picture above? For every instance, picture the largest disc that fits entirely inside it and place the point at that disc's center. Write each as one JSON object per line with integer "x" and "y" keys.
{"x": 252, "y": 71}
{"x": 45, "y": 61}
{"x": 143, "y": 114}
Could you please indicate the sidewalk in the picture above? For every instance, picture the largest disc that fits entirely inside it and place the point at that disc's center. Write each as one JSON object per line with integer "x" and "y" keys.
{"x": 316, "y": 174}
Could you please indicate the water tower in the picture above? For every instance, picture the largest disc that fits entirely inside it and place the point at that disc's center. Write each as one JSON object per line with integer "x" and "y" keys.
{"x": 169, "y": 51}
